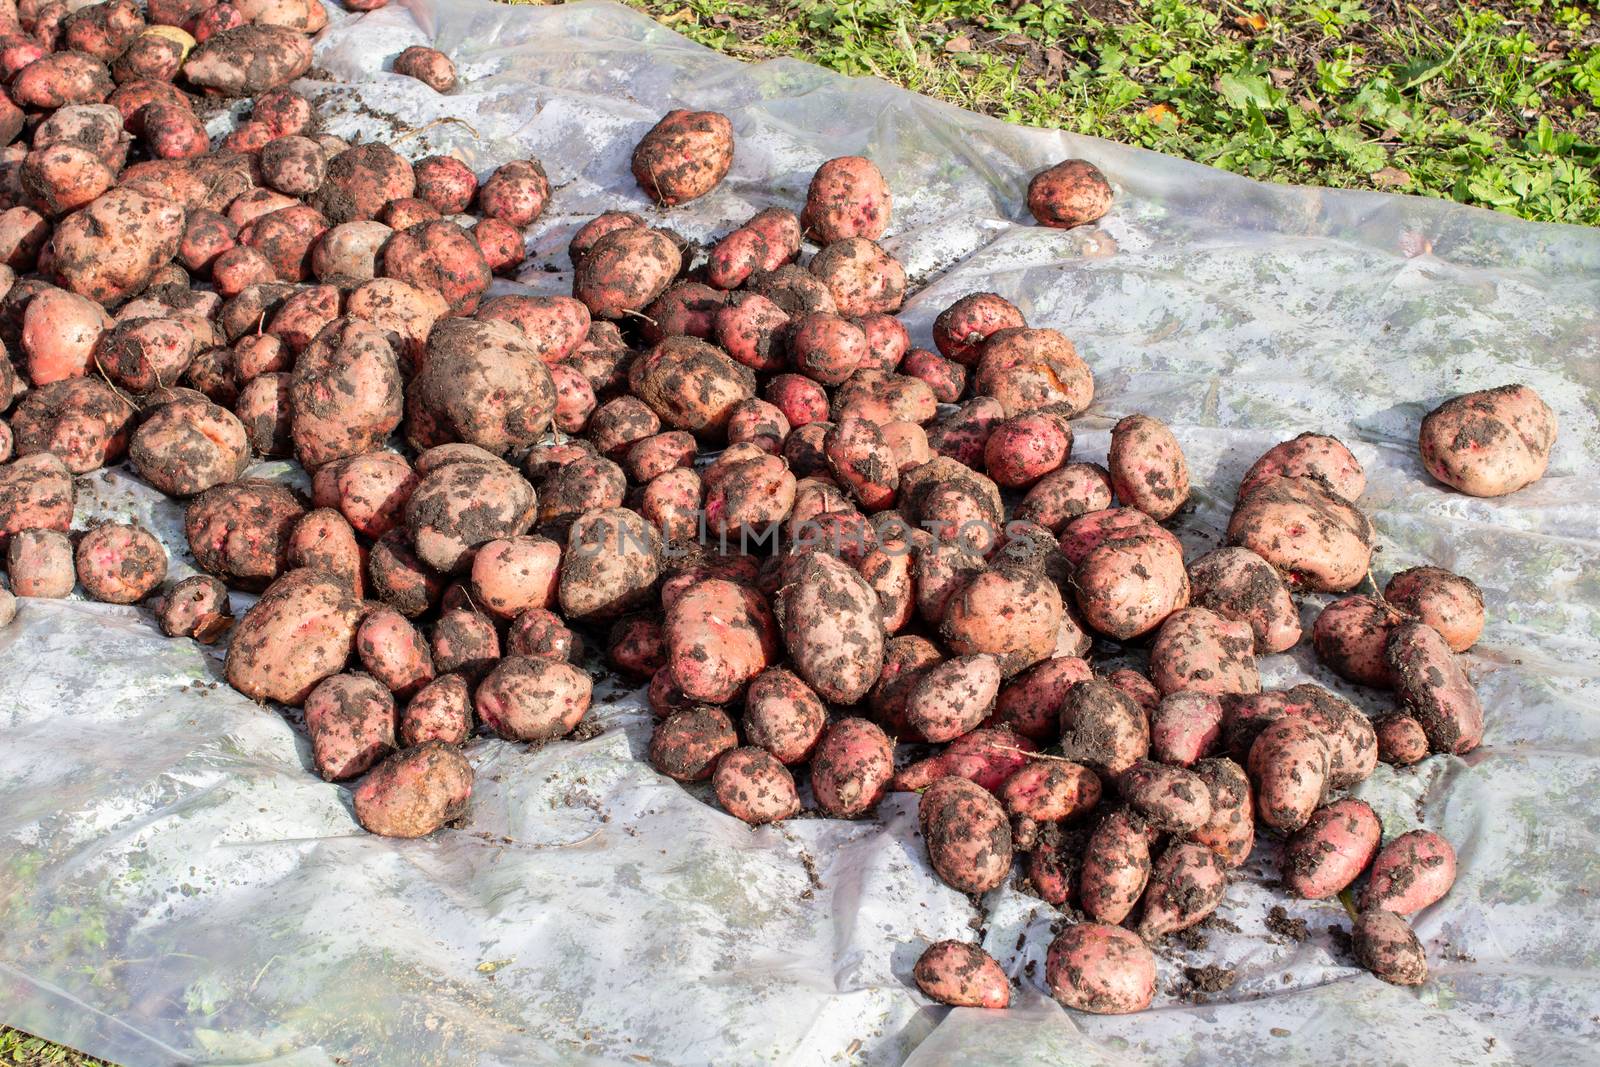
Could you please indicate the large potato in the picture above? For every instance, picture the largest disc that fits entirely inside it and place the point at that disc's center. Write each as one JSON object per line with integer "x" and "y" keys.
{"x": 350, "y": 719}
{"x": 1186, "y": 885}
{"x": 961, "y": 328}
{"x": 555, "y": 326}
{"x": 440, "y": 256}
{"x": 1127, "y": 586}
{"x": 863, "y": 278}
{"x": 1491, "y": 442}
{"x": 851, "y": 768}
{"x": 189, "y": 445}
{"x": 1116, "y": 867}
{"x": 1007, "y": 610}
{"x": 1352, "y": 742}
{"x": 782, "y": 715}
{"x": 719, "y": 636}
{"x": 301, "y": 631}
{"x": 683, "y": 156}
{"x": 953, "y": 697}
{"x": 240, "y": 531}
{"x": 691, "y": 385}
{"x": 1435, "y": 688}
{"x": 482, "y": 383}
{"x": 967, "y": 833}
{"x": 111, "y": 249}
{"x": 512, "y": 574}
{"x": 1148, "y": 468}
{"x": 249, "y": 60}
{"x": 1449, "y": 603}
{"x": 1102, "y": 969}
{"x": 1315, "y": 538}
{"x": 82, "y": 420}
{"x": 1311, "y": 455}
{"x": 831, "y": 627}
{"x": 1237, "y": 584}
{"x": 1030, "y": 703}
{"x": 1332, "y": 849}
{"x": 528, "y": 698}
{"x": 346, "y": 393}
{"x": 1170, "y": 799}
{"x": 847, "y": 198}
{"x": 413, "y": 793}
{"x": 40, "y": 564}
{"x": 1199, "y": 650}
{"x": 1412, "y": 871}
{"x": 1027, "y": 369}
{"x": 625, "y": 270}
{"x": 460, "y": 506}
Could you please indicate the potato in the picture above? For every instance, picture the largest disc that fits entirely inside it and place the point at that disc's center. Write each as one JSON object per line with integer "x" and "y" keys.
{"x": 719, "y": 636}
{"x": 445, "y": 182}
{"x": 188, "y": 446}
{"x": 460, "y": 506}
{"x": 23, "y": 232}
{"x": 851, "y": 768}
{"x": 399, "y": 578}
{"x": 241, "y": 268}
{"x": 750, "y": 501}
{"x": 62, "y": 79}
{"x": 1435, "y": 689}
{"x": 1196, "y": 649}
{"x": 1332, "y": 849}
{"x": 1386, "y": 945}
{"x": 953, "y": 697}
{"x": 196, "y": 607}
{"x": 349, "y": 251}
{"x": 265, "y": 409}
{"x": 96, "y": 128}
{"x": 802, "y": 401}
{"x": 554, "y": 327}
{"x": 637, "y": 649}
{"x": 102, "y": 30}
{"x": 151, "y": 55}
{"x": 691, "y": 385}
{"x": 350, "y": 719}
{"x": 240, "y": 531}
{"x": 1186, "y": 727}
{"x": 323, "y": 540}
{"x": 1352, "y": 743}
{"x": 1027, "y": 369}
{"x": 1008, "y": 611}
{"x": 1148, "y": 469}
{"x": 304, "y": 15}
{"x": 1071, "y": 193}
{"x": 906, "y": 659}
{"x": 862, "y": 278}
{"x": 609, "y": 565}
{"x": 206, "y": 236}
{"x": 1401, "y": 740}
{"x": 36, "y": 493}
{"x": 946, "y": 379}
{"x": 962, "y": 975}
{"x": 394, "y": 652}
{"x": 300, "y": 632}
{"x": 1317, "y": 540}
{"x": 847, "y": 198}
{"x": 826, "y": 347}
{"x": 143, "y": 354}
{"x": 967, "y": 833}
{"x": 1245, "y": 715}
{"x": 963, "y": 435}
{"x": 1170, "y": 799}
{"x": 619, "y": 430}
{"x": 1051, "y": 791}
{"x": 1101, "y": 969}
{"x": 1239, "y": 585}
{"x": 1488, "y": 443}
{"x": 541, "y": 633}
{"x": 988, "y": 757}
{"x": 1030, "y": 703}
{"x": 687, "y": 744}
{"x": 1186, "y": 885}
{"x": 768, "y": 241}
{"x": 286, "y": 237}
{"x": 429, "y": 66}
{"x": 440, "y": 711}
{"x": 1116, "y": 866}
{"x": 59, "y": 333}
{"x": 1449, "y": 603}
{"x": 887, "y": 569}
{"x": 1411, "y": 872}
{"x": 1289, "y": 765}
{"x": 172, "y": 132}
{"x": 249, "y": 60}
{"x": 1230, "y": 832}
{"x": 753, "y": 786}
{"x": 40, "y": 564}
{"x": 62, "y": 178}
{"x": 516, "y": 192}
{"x": 511, "y": 575}
{"x": 591, "y": 232}
{"x": 371, "y": 490}
{"x": 760, "y": 423}
{"x": 586, "y": 484}
{"x": 483, "y": 384}
{"x": 465, "y": 643}
{"x": 82, "y": 420}
{"x": 684, "y": 156}
{"x": 671, "y": 502}
{"x": 832, "y": 630}
{"x": 529, "y": 699}
{"x": 861, "y": 460}
{"x": 440, "y": 256}
{"x": 294, "y": 166}
{"x": 1103, "y": 728}
{"x": 1351, "y": 636}
{"x": 753, "y": 330}
{"x": 1311, "y": 455}
{"x": 887, "y": 341}
{"x": 414, "y": 792}
{"x": 1128, "y": 585}
{"x": 1022, "y": 450}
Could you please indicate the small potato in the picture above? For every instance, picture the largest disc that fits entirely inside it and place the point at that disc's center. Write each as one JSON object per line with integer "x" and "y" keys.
{"x": 429, "y": 66}
{"x": 860, "y": 459}
{"x": 1050, "y": 791}
{"x": 1199, "y": 650}
{"x": 1449, "y": 603}
{"x": 172, "y": 132}
{"x": 1148, "y": 469}
{"x": 1489, "y": 443}
{"x": 753, "y": 330}
{"x": 350, "y": 719}
{"x": 953, "y": 697}
{"x": 887, "y": 341}
{"x": 719, "y": 636}
{"x": 286, "y": 237}
{"x": 1103, "y": 728}
{"x": 691, "y": 385}
{"x": 538, "y": 632}
{"x": 322, "y": 539}
{"x": 906, "y": 659}
{"x": 967, "y": 833}
{"x": 622, "y": 423}
{"x": 1435, "y": 689}
{"x": 753, "y": 786}
{"x": 528, "y": 699}
{"x": 438, "y": 256}
{"x": 1239, "y": 585}
{"x": 609, "y": 565}
{"x": 851, "y": 768}
{"x": 1230, "y": 832}
{"x": 861, "y": 276}
{"x": 831, "y": 627}
{"x": 1401, "y": 740}
{"x": 1311, "y": 455}
{"x": 1127, "y": 586}
{"x": 1008, "y": 611}
{"x": 1386, "y": 945}
{"x": 371, "y": 490}
{"x": 759, "y": 423}
{"x": 687, "y": 744}
{"x": 1071, "y": 193}
{"x": 683, "y": 156}
{"x": 512, "y": 575}
{"x": 1064, "y": 494}
{"x": 1030, "y": 703}
{"x": 445, "y": 182}
{"x": 887, "y": 569}
{"x": 1411, "y": 872}
{"x": 1186, "y": 885}
{"x": 1021, "y": 451}
{"x": 516, "y": 192}
{"x": 239, "y": 268}
{"x": 1351, "y": 636}
{"x": 946, "y": 379}
{"x": 206, "y": 236}
{"x": 802, "y": 401}
{"x": 1185, "y": 728}
{"x": 1168, "y": 798}
{"x": 671, "y": 502}
{"x": 59, "y": 333}
{"x": 1289, "y": 765}
{"x": 399, "y": 578}
{"x": 300, "y": 632}
{"x": 414, "y": 792}
{"x": 961, "y": 329}
{"x": 120, "y": 564}
{"x": 1317, "y": 540}
{"x": 196, "y": 607}
{"x": 465, "y": 643}
{"x": 1026, "y": 369}
{"x": 988, "y": 757}
{"x": 1332, "y": 849}
{"x": 1100, "y": 969}
{"x": 848, "y": 197}
{"x": 266, "y": 410}
{"x": 40, "y": 564}
{"x": 394, "y": 652}
{"x": 1116, "y": 867}
{"x": 409, "y": 211}
{"x": 588, "y": 483}
{"x": 826, "y": 347}
{"x": 82, "y": 420}
{"x": 961, "y": 975}
{"x": 637, "y": 649}
{"x": 440, "y": 711}
{"x": 768, "y": 241}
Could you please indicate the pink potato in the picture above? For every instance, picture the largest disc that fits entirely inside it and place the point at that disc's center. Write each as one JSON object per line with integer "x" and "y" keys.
{"x": 1434, "y": 688}
{"x": 687, "y": 744}
{"x": 1027, "y": 369}
{"x": 691, "y": 385}
{"x": 1311, "y": 455}
{"x": 1071, "y": 193}
{"x": 671, "y": 502}
{"x": 967, "y": 834}
{"x": 190, "y": 445}
{"x": 1051, "y": 791}
{"x": 154, "y": 56}
{"x": 1186, "y": 885}
{"x": 961, "y": 975}
{"x": 1030, "y": 703}
{"x": 1386, "y": 945}
{"x": 1100, "y": 969}
{"x": 826, "y": 347}
{"x": 438, "y": 256}
{"x": 239, "y": 531}
{"x": 1332, "y": 849}
{"x": 59, "y": 333}
{"x": 394, "y": 652}
{"x": 1352, "y": 743}
{"x": 61, "y": 79}
{"x": 623, "y": 422}
{"x": 249, "y": 60}
{"x": 954, "y": 697}
{"x": 768, "y": 241}
{"x": 346, "y": 393}
{"x": 1148, "y": 468}
{"x": 1197, "y": 649}
{"x": 371, "y": 490}
{"x": 753, "y": 330}
{"x": 1186, "y": 727}
{"x": 1401, "y": 740}
{"x": 554, "y": 326}
{"x": 1008, "y": 611}
{"x": 946, "y": 379}
{"x": 196, "y": 607}
{"x": 530, "y": 699}
{"x": 758, "y": 422}
{"x": 482, "y": 384}
{"x": 1137, "y": 688}
{"x": 439, "y": 711}
{"x": 286, "y": 238}
{"x": 963, "y": 435}
{"x": 860, "y": 459}
{"x": 1116, "y": 867}
{"x": 1449, "y": 603}
{"x": 429, "y": 66}
{"x": 350, "y": 719}
{"x": 1021, "y": 451}
{"x": 171, "y": 132}
{"x": 802, "y": 401}
{"x": 848, "y": 197}
{"x": 1351, "y": 636}
{"x": 399, "y": 578}
{"x": 1066, "y": 493}
{"x": 460, "y": 506}
{"x": 586, "y": 484}
{"x": 82, "y": 420}
{"x": 1239, "y": 585}
{"x": 349, "y": 251}
{"x": 906, "y": 658}
{"x": 1411, "y": 872}
{"x": 851, "y": 768}
{"x": 625, "y": 271}
{"x": 753, "y": 497}
{"x": 1489, "y": 443}
{"x": 516, "y": 192}
{"x": 360, "y": 180}
{"x": 465, "y": 643}
{"x": 988, "y": 756}
{"x": 443, "y": 181}
{"x": 1289, "y": 766}
{"x": 961, "y": 329}
{"x": 294, "y": 165}
{"x": 1169, "y": 799}
{"x": 719, "y": 636}
{"x": 1316, "y": 539}
{"x": 511, "y": 575}
{"x": 609, "y": 564}
{"x": 542, "y": 633}
{"x": 323, "y": 540}
{"x": 887, "y": 341}
{"x": 1127, "y": 586}
{"x": 683, "y": 156}
{"x": 591, "y": 232}
{"x": 301, "y": 631}
{"x": 861, "y": 276}
{"x": 636, "y": 648}
{"x": 831, "y": 627}
{"x": 1230, "y": 832}
{"x": 414, "y": 792}
{"x": 753, "y": 786}
{"x": 62, "y": 178}
{"x": 1102, "y": 728}
{"x": 40, "y": 564}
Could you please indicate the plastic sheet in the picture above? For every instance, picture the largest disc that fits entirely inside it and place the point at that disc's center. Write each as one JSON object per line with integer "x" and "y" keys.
{"x": 177, "y": 886}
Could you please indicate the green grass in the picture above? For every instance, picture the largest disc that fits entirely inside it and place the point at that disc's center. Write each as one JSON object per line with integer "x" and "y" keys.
{"x": 1494, "y": 103}
{"x": 17, "y": 1049}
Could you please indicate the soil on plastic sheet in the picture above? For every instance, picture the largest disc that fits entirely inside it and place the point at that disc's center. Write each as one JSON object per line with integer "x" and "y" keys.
{"x": 1281, "y": 923}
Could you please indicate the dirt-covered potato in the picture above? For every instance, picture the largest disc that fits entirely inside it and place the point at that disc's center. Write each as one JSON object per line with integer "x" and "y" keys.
{"x": 1434, "y": 688}
{"x": 1351, "y": 635}
{"x": 1126, "y": 586}
{"x": 554, "y": 327}
{"x": 860, "y": 458}
{"x": 887, "y": 341}
{"x": 1401, "y": 740}
{"x": 40, "y": 564}
{"x": 511, "y": 575}
{"x": 759, "y": 423}
{"x": 719, "y": 636}
{"x": 625, "y": 270}
{"x": 637, "y": 648}
{"x": 1022, "y": 450}
{"x": 446, "y": 183}
{"x": 1116, "y": 867}
{"x": 516, "y": 192}
{"x": 239, "y": 268}
{"x": 753, "y": 786}
{"x": 439, "y": 711}
{"x": 591, "y": 232}
{"x": 1169, "y": 799}
{"x": 441, "y": 256}
{"x": 962, "y": 435}
{"x": 324, "y": 541}
{"x": 301, "y": 631}
{"x": 36, "y": 493}
{"x": 1489, "y": 443}
{"x": 684, "y": 156}
{"x": 62, "y": 178}
{"x": 1315, "y": 538}
{"x": 988, "y": 756}
{"x": 1386, "y": 945}
{"x": 848, "y": 197}
{"x": 961, "y": 329}
{"x": 1197, "y": 649}
{"x": 346, "y": 393}
{"x": 851, "y": 768}
{"x": 967, "y": 833}
{"x": 460, "y": 506}
{"x": 1289, "y": 765}
{"x": 1102, "y": 969}
{"x": 1071, "y": 193}
{"x": 1449, "y": 603}
{"x": 962, "y": 975}
{"x": 294, "y": 166}
{"x": 1230, "y": 832}
{"x": 953, "y": 697}
{"x": 832, "y": 630}
{"x": 768, "y": 241}
{"x": 82, "y": 420}
{"x": 1030, "y": 703}
{"x": 285, "y": 237}
{"x": 532, "y": 699}
{"x": 1186, "y": 885}
{"x": 1311, "y": 455}
{"x": 153, "y": 55}
{"x": 1411, "y": 872}
{"x": 1332, "y": 849}
{"x": 465, "y": 643}
{"x": 239, "y": 531}
{"x": 1186, "y": 727}
{"x": 399, "y": 578}
{"x": 429, "y": 66}
{"x": 1009, "y": 611}
{"x": 1103, "y": 728}
{"x": 190, "y": 445}
{"x": 414, "y": 792}
{"x": 196, "y": 607}
{"x": 371, "y": 490}
{"x": 861, "y": 276}
{"x": 609, "y": 565}
{"x": 1148, "y": 468}
{"x": 1026, "y": 369}
{"x": 1237, "y": 584}
{"x": 266, "y": 410}
{"x": 687, "y": 744}
{"x": 350, "y": 719}
{"x": 1050, "y": 791}
{"x": 23, "y": 232}
{"x": 482, "y": 383}
{"x": 171, "y": 132}
{"x": 394, "y": 652}
{"x": 249, "y": 60}
{"x": 691, "y": 385}
{"x": 62, "y": 79}
{"x": 60, "y": 331}
{"x": 359, "y": 181}
{"x": 946, "y": 379}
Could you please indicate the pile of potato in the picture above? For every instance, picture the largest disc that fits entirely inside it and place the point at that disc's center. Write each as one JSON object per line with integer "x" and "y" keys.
{"x": 729, "y": 466}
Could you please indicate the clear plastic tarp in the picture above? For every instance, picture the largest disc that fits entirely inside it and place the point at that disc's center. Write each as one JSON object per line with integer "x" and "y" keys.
{"x": 177, "y": 886}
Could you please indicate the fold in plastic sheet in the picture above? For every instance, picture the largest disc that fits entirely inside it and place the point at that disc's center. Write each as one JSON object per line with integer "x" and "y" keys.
{"x": 176, "y": 885}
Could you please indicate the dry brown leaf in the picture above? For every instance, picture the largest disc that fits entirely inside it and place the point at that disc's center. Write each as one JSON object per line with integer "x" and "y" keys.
{"x": 1250, "y": 23}
{"x": 1161, "y": 113}
{"x": 958, "y": 43}
{"x": 1390, "y": 178}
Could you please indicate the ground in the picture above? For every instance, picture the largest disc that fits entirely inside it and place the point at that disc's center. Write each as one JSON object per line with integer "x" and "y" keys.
{"x": 1488, "y": 102}
{"x": 19, "y": 1050}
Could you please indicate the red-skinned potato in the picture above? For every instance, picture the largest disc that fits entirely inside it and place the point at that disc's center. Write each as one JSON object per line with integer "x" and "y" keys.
{"x": 826, "y": 347}
{"x": 851, "y": 767}
{"x": 516, "y": 192}
{"x": 40, "y": 564}
{"x": 1352, "y": 744}
{"x": 801, "y": 400}
{"x": 153, "y": 56}
{"x": 1412, "y": 871}
{"x": 961, "y": 975}
{"x": 372, "y": 490}
{"x": 963, "y": 435}
{"x": 759, "y": 423}
{"x": 240, "y": 531}
{"x": 482, "y": 383}
{"x": 848, "y": 197}
{"x": 61, "y": 79}
{"x": 346, "y": 393}
{"x": 196, "y": 607}
{"x": 967, "y": 834}
{"x": 62, "y": 178}
{"x": 294, "y": 166}
{"x": 1103, "y": 728}
{"x": 59, "y": 333}
{"x": 1169, "y": 799}
{"x": 350, "y": 719}
{"x": 446, "y": 183}
{"x": 719, "y": 635}
{"x": 684, "y": 156}
{"x": 1021, "y": 451}
{"x": 500, "y": 243}
{"x": 249, "y": 60}
{"x": 1386, "y": 945}
{"x": 1434, "y": 688}
{"x": 360, "y": 180}
{"x": 1186, "y": 885}
{"x": 1237, "y": 584}
{"x": 429, "y": 66}
{"x": 768, "y": 241}
{"x": 1071, "y": 193}
{"x": 409, "y": 211}
{"x": 586, "y": 484}
{"x": 1489, "y": 443}
{"x": 832, "y": 630}
{"x": 1009, "y": 611}
{"x": 1449, "y": 603}
{"x": 1401, "y": 740}
{"x": 1289, "y": 766}
{"x": 687, "y": 744}
{"x": 403, "y": 311}
{"x": 1230, "y": 832}
{"x": 511, "y": 575}
{"x": 23, "y": 232}
{"x": 906, "y": 659}
{"x": 1128, "y": 585}
{"x": 286, "y": 237}
{"x": 1030, "y": 703}
{"x": 554, "y": 327}
{"x": 530, "y": 699}
{"x": 541, "y": 633}
{"x": 887, "y": 341}
{"x": 95, "y": 127}
{"x": 861, "y": 460}
{"x": 238, "y": 268}
{"x": 206, "y": 236}
{"x": 399, "y": 578}
{"x": 591, "y": 232}
{"x": 1316, "y": 539}
{"x": 1148, "y": 469}
{"x": 1332, "y": 849}
{"x": 637, "y": 648}
{"x": 1100, "y": 969}
{"x": 752, "y": 329}
{"x": 1311, "y": 455}
{"x": 1026, "y": 369}
{"x": 625, "y": 271}
{"x": 283, "y": 111}
{"x": 1116, "y": 867}
{"x": 671, "y": 502}
{"x": 172, "y": 132}
{"x": 1197, "y": 649}
{"x": 303, "y": 315}
{"x": 323, "y": 540}
{"x": 190, "y": 445}
{"x": 102, "y": 30}
{"x": 441, "y": 256}
{"x": 120, "y": 564}
{"x": 1051, "y": 791}
{"x": 465, "y": 643}
{"x": 82, "y": 420}
{"x": 953, "y": 697}
{"x": 861, "y": 276}
{"x": 626, "y": 421}
{"x": 961, "y": 328}
{"x": 414, "y": 792}
{"x": 300, "y": 632}
{"x": 394, "y": 652}
{"x": 1351, "y": 635}
{"x": 609, "y": 565}
{"x": 691, "y": 385}
{"x": 753, "y": 786}
{"x": 439, "y": 711}
{"x": 461, "y": 506}
{"x": 1186, "y": 728}
{"x": 946, "y": 379}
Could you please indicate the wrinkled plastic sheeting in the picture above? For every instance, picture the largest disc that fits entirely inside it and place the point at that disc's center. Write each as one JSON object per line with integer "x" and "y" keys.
{"x": 176, "y": 885}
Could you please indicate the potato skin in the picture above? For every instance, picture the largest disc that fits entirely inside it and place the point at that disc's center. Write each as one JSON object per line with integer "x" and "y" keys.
{"x": 1489, "y": 443}
{"x": 1411, "y": 872}
{"x": 1169, "y": 799}
{"x": 1435, "y": 689}
{"x": 301, "y": 631}
{"x": 429, "y": 66}
{"x": 851, "y": 768}
{"x": 464, "y": 642}
{"x": 1185, "y": 728}
{"x": 960, "y": 329}
{"x": 1449, "y": 603}
{"x": 441, "y": 256}
{"x": 967, "y": 833}
{"x": 962, "y": 975}
{"x": 1028, "y": 369}
{"x": 196, "y": 607}
{"x": 1311, "y": 455}
{"x": 684, "y": 156}
{"x": 394, "y": 652}
{"x": 82, "y": 420}
{"x": 463, "y": 505}
{"x": 60, "y": 331}
{"x": 1289, "y": 765}
{"x": 1351, "y": 635}
{"x": 351, "y": 721}
{"x": 1238, "y": 584}
{"x": 481, "y": 383}
{"x": 1102, "y": 969}
{"x": 945, "y": 378}
{"x": 1318, "y": 540}
{"x": 414, "y": 792}
{"x": 691, "y": 385}
{"x": 687, "y": 744}
{"x": 40, "y": 564}
{"x": 439, "y": 711}
{"x": 1386, "y": 945}
{"x": 1401, "y": 740}
{"x": 120, "y": 564}
{"x": 753, "y": 786}
{"x": 1116, "y": 866}
{"x": 1199, "y": 650}
{"x": 516, "y": 193}
{"x": 1008, "y": 611}
{"x": 511, "y": 575}
{"x": 240, "y": 531}
{"x": 1071, "y": 193}
{"x": 346, "y": 393}
{"x": 719, "y": 636}
{"x": 1230, "y": 832}
{"x": 953, "y": 697}
{"x": 1186, "y": 885}
{"x": 1332, "y": 849}
{"x": 1148, "y": 468}
{"x": 848, "y": 197}
{"x": 1127, "y": 586}
{"x": 529, "y": 699}
{"x": 831, "y": 627}
{"x": 625, "y": 271}
{"x": 609, "y": 565}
